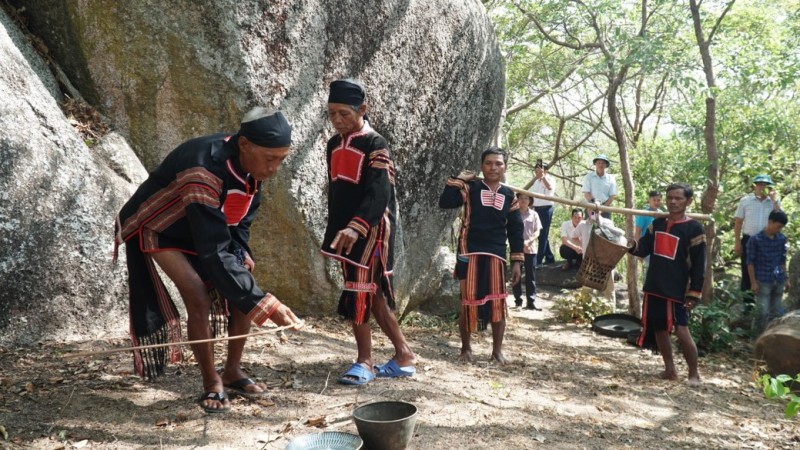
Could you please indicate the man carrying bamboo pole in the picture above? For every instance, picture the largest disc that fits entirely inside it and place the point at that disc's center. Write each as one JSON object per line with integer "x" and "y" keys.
{"x": 490, "y": 217}
{"x": 673, "y": 285}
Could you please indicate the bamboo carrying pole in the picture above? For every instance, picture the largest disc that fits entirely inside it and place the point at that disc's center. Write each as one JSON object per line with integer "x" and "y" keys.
{"x": 200, "y": 341}
{"x": 612, "y": 209}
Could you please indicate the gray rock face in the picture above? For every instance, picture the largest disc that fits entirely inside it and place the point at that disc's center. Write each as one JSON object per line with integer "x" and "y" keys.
{"x": 434, "y": 76}
{"x": 56, "y": 200}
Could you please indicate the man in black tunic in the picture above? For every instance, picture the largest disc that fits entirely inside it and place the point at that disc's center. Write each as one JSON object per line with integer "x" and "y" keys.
{"x": 674, "y": 282}
{"x": 490, "y": 217}
{"x": 192, "y": 217}
{"x": 361, "y": 229}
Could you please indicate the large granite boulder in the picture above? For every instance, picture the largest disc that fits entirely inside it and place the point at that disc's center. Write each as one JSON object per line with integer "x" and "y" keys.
{"x": 163, "y": 74}
{"x": 57, "y": 202}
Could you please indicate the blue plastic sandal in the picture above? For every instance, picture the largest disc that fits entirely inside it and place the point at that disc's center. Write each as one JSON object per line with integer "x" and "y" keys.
{"x": 392, "y": 370}
{"x": 357, "y": 375}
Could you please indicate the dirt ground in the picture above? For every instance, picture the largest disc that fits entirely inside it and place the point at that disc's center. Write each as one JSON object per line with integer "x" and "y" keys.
{"x": 566, "y": 388}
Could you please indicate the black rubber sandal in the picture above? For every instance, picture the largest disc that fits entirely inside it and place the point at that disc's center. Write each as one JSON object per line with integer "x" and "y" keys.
{"x": 239, "y": 387}
{"x": 221, "y": 397}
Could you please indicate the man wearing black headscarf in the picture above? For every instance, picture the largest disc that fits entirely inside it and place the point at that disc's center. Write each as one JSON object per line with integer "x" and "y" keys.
{"x": 361, "y": 229}
{"x": 192, "y": 217}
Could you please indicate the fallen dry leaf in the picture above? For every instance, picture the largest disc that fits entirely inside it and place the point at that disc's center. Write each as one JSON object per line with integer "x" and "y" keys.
{"x": 317, "y": 422}
{"x": 265, "y": 403}
{"x": 3, "y": 433}
{"x": 162, "y": 422}
{"x": 81, "y": 444}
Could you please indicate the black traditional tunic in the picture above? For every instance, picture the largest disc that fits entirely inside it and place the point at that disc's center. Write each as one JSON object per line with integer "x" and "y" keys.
{"x": 677, "y": 269}
{"x": 488, "y": 220}
{"x": 197, "y": 201}
{"x": 361, "y": 197}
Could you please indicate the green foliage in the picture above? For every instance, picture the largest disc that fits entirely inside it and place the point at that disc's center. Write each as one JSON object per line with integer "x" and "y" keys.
{"x": 757, "y": 73}
{"x": 776, "y": 388}
{"x": 710, "y": 324}
{"x": 580, "y": 306}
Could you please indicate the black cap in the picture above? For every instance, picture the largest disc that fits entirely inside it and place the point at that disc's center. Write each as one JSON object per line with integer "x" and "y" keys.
{"x": 271, "y": 131}
{"x": 348, "y": 92}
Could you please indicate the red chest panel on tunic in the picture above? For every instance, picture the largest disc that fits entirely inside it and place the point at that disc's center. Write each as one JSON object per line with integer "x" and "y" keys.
{"x": 666, "y": 245}
{"x": 493, "y": 200}
{"x": 236, "y": 205}
{"x": 346, "y": 164}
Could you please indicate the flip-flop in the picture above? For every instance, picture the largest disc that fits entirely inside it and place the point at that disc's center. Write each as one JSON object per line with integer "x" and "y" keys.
{"x": 393, "y": 370}
{"x": 238, "y": 388}
{"x": 357, "y": 375}
{"x": 216, "y": 396}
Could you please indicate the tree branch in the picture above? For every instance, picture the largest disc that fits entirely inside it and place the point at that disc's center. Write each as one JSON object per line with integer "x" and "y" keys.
{"x": 719, "y": 21}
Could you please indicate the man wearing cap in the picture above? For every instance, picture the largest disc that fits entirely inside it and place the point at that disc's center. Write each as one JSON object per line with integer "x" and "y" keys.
{"x": 545, "y": 185}
{"x": 362, "y": 213}
{"x": 751, "y": 217}
{"x": 191, "y": 217}
{"x": 599, "y": 186}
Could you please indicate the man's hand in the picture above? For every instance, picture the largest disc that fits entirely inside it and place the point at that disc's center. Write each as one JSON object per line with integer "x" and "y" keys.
{"x": 754, "y": 287}
{"x": 466, "y": 175}
{"x": 690, "y": 302}
{"x": 284, "y": 316}
{"x": 737, "y": 248}
{"x": 344, "y": 240}
{"x": 249, "y": 264}
{"x": 516, "y": 273}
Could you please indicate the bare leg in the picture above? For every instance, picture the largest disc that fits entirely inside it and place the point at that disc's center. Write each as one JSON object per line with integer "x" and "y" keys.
{"x": 363, "y": 335}
{"x": 198, "y": 306}
{"x": 689, "y": 353}
{"x": 665, "y": 348}
{"x": 386, "y": 319}
{"x": 498, "y": 332}
{"x": 466, "y": 346}
{"x": 238, "y": 326}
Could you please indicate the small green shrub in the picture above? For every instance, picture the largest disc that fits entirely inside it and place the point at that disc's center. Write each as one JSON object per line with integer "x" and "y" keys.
{"x": 710, "y": 323}
{"x": 580, "y": 306}
{"x": 710, "y": 326}
{"x": 775, "y": 387}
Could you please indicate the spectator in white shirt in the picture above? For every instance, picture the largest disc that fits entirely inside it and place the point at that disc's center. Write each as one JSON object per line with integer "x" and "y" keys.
{"x": 545, "y": 185}
{"x": 571, "y": 249}
{"x": 599, "y": 186}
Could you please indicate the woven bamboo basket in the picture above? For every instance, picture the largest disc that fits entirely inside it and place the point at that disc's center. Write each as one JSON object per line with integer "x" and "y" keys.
{"x": 600, "y": 259}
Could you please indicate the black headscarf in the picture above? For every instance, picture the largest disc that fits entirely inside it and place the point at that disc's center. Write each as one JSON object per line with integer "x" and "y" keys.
{"x": 347, "y": 92}
{"x": 270, "y": 131}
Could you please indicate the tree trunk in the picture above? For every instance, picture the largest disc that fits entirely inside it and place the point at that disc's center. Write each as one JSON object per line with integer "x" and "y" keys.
{"x": 709, "y": 198}
{"x": 634, "y": 305}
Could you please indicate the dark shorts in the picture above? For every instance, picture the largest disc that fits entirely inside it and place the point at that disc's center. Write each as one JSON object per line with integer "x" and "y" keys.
{"x": 660, "y": 314}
